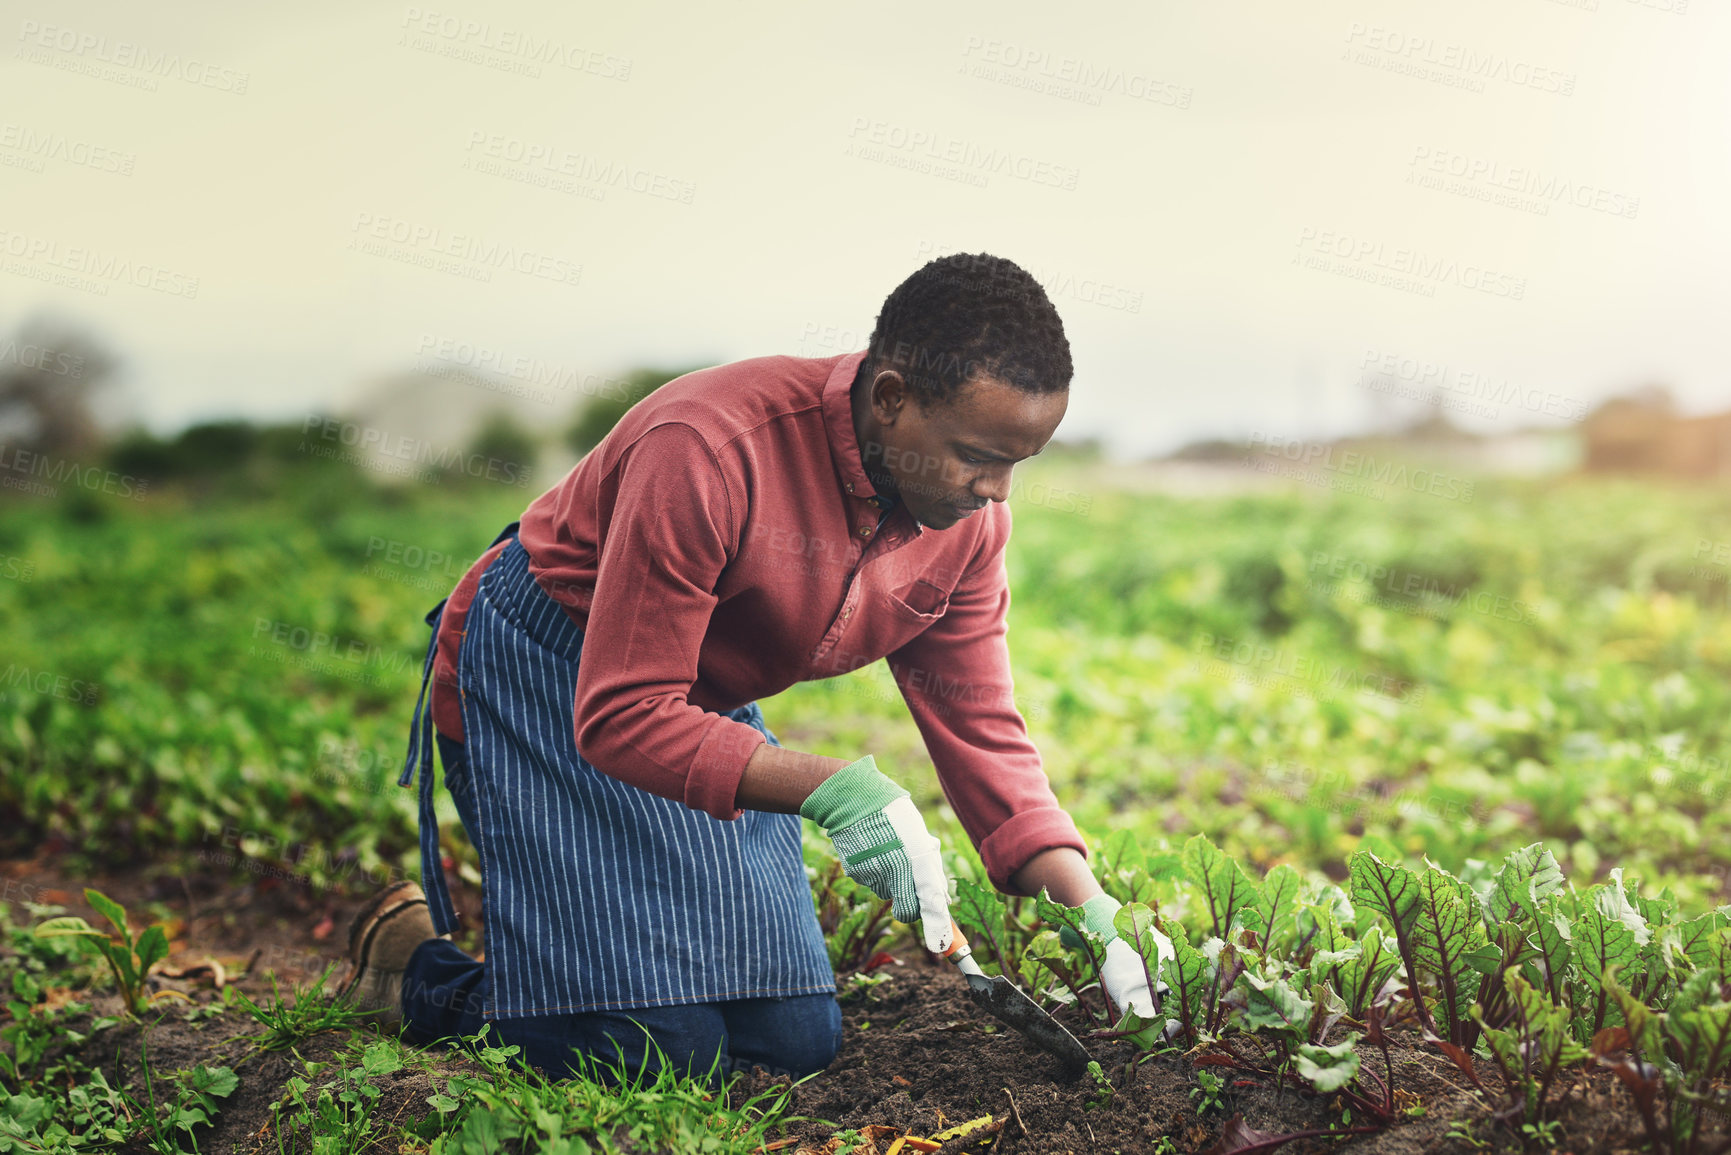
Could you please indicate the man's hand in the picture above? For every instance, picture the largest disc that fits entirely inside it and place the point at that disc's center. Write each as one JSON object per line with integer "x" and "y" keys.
{"x": 884, "y": 845}
{"x": 1123, "y": 975}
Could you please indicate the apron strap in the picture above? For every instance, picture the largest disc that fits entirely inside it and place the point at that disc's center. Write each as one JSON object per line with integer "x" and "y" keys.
{"x": 421, "y": 746}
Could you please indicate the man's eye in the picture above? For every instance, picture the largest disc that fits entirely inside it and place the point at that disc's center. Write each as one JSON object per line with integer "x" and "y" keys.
{"x": 973, "y": 460}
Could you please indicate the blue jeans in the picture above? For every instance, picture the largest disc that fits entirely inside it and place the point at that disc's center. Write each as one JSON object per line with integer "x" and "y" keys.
{"x": 444, "y": 990}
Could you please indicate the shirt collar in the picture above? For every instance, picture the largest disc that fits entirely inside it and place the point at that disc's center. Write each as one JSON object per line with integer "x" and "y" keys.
{"x": 843, "y": 443}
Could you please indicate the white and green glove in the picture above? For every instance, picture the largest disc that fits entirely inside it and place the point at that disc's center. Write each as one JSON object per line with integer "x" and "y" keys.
{"x": 884, "y": 846}
{"x": 1123, "y": 976}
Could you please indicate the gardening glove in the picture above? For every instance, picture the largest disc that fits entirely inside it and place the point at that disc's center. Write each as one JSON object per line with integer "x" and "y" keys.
{"x": 1122, "y": 975}
{"x": 884, "y": 846}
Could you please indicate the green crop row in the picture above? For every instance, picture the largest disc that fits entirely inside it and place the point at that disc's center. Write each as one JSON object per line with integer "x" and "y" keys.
{"x": 1507, "y": 959}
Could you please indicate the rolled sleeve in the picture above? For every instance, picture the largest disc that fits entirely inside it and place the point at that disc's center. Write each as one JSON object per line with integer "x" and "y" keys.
{"x": 1008, "y": 848}
{"x": 955, "y": 677}
{"x": 670, "y": 530}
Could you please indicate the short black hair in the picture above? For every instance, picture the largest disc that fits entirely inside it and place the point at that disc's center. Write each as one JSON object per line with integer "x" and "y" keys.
{"x": 964, "y": 315}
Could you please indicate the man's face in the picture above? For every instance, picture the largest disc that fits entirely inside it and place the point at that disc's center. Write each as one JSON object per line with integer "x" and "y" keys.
{"x": 947, "y": 459}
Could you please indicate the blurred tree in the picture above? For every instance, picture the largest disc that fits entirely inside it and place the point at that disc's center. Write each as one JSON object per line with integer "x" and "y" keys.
{"x": 49, "y": 373}
{"x": 509, "y": 449}
{"x": 598, "y": 417}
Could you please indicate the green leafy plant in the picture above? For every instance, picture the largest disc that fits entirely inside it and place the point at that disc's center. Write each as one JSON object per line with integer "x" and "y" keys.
{"x": 1103, "y": 1089}
{"x": 338, "y": 1113}
{"x": 1437, "y": 931}
{"x": 129, "y": 959}
{"x": 190, "y": 1101}
{"x": 506, "y": 1108}
{"x": 1530, "y": 1052}
{"x": 1685, "y": 1048}
{"x": 1208, "y": 1089}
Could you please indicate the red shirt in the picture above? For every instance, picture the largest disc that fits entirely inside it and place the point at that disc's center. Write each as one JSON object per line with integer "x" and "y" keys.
{"x": 722, "y": 543}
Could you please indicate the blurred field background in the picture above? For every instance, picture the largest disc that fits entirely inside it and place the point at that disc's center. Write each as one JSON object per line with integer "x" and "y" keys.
{"x": 213, "y": 639}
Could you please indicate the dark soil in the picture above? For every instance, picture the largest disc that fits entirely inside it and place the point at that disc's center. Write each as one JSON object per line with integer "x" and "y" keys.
{"x": 918, "y": 1055}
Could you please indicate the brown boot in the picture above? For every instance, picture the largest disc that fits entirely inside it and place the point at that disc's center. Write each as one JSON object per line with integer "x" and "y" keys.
{"x": 382, "y": 937}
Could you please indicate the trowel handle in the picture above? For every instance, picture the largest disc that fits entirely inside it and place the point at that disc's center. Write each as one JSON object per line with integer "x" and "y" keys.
{"x": 959, "y": 948}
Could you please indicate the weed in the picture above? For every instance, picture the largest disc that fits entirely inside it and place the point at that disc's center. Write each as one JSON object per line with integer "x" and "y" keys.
{"x": 313, "y": 1010}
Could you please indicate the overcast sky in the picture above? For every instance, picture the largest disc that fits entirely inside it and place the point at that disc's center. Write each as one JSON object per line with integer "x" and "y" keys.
{"x": 1235, "y": 205}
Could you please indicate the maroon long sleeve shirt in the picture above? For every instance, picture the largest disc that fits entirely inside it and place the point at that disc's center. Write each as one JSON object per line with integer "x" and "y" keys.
{"x": 724, "y": 542}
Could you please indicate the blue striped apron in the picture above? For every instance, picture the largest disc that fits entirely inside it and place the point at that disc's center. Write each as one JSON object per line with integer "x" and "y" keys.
{"x": 597, "y": 894}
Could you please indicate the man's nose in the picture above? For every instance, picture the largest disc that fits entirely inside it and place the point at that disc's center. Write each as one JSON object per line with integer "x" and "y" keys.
{"x": 993, "y": 486}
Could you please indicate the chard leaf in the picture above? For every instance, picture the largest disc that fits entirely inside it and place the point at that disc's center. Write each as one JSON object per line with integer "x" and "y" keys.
{"x": 1602, "y": 941}
{"x": 1706, "y": 941}
{"x": 1613, "y": 901}
{"x": 1328, "y": 1068}
{"x": 1272, "y": 1004}
{"x": 1528, "y": 876}
{"x": 1449, "y": 942}
{"x": 1551, "y": 935}
{"x": 1537, "y": 1042}
{"x": 980, "y": 912}
{"x": 1278, "y": 907}
{"x": 1361, "y": 974}
{"x": 1135, "y": 925}
{"x": 1393, "y": 892}
{"x": 1223, "y": 882}
{"x": 1702, "y": 1036}
{"x": 1187, "y": 973}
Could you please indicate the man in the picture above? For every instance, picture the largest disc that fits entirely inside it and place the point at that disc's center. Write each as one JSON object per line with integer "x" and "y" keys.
{"x": 743, "y": 528}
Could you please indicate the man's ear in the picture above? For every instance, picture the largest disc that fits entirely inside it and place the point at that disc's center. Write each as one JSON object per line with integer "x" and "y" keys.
{"x": 889, "y": 395}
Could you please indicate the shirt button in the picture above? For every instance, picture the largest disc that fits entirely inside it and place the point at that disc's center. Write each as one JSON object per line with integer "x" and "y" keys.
{"x": 865, "y": 531}
{"x": 850, "y": 487}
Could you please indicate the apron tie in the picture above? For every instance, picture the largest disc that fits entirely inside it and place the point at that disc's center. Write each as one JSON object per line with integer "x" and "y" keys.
{"x": 421, "y": 746}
